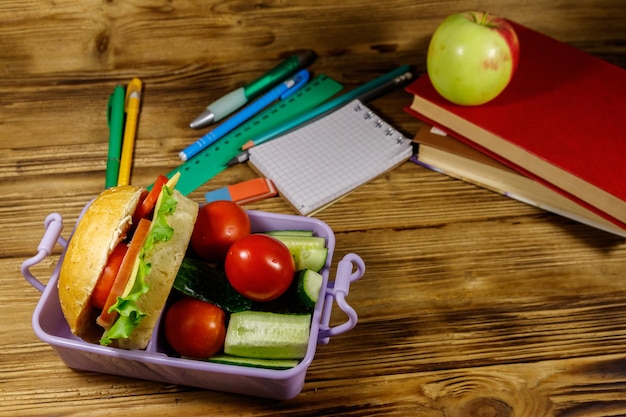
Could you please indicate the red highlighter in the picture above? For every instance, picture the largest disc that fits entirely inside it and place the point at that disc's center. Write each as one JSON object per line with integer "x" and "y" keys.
{"x": 244, "y": 192}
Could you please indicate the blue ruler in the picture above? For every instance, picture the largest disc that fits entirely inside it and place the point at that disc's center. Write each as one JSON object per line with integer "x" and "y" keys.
{"x": 214, "y": 159}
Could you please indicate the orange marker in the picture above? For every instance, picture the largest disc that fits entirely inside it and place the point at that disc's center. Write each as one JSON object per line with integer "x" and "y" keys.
{"x": 244, "y": 192}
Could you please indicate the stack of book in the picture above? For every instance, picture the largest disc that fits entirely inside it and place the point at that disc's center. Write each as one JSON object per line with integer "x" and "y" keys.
{"x": 553, "y": 138}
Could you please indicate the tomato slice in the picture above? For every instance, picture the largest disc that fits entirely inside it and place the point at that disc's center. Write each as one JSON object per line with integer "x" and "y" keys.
{"x": 105, "y": 282}
{"x": 147, "y": 205}
{"x": 106, "y": 319}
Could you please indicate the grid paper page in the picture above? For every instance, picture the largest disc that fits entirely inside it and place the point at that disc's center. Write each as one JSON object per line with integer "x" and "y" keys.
{"x": 322, "y": 161}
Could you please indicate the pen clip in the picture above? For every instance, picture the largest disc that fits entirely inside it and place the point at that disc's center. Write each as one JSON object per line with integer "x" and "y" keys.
{"x": 300, "y": 79}
{"x": 132, "y": 91}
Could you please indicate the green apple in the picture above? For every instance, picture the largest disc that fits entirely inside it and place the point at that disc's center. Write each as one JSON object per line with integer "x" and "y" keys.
{"x": 472, "y": 57}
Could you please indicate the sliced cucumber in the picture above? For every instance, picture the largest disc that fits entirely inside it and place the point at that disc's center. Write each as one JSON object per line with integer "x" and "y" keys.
{"x": 308, "y": 251}
{"x": 265, "y": 335}
{"x": 313, "y": 259}
{"x": 297, "y": 243}
{"x": 308, "y": 286}
{"x": 254, "y": 362}
{"x": 201, "y": 280}
{"x": 303, "y": 233}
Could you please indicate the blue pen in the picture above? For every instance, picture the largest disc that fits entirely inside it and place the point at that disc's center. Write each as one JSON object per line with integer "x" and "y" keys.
{"x": 281, "y": 91}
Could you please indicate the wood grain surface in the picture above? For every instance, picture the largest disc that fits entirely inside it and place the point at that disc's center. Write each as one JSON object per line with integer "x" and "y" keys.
{"x": 472, "y": 304}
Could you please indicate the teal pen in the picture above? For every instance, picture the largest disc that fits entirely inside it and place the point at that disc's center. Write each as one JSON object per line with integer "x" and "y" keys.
{"x": 237, "y": 98}
{"x": 115, "y": 119}
{"x": 364, "y": 92}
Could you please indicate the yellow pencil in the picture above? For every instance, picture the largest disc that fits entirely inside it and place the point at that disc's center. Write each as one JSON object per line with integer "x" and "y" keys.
{"x": 133, "y": 96}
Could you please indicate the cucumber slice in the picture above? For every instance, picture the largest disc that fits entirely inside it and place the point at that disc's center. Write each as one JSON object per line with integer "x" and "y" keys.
{"x": 265, "y": 335}
{"x": 308, "y": 287}
{"x": 254, "y": 362}
{"x": 297, "y": 243}
{"x": 308, "y": 251}
{"x": 313, "y": 259}
{"x": 303, "y": 233}
{"x": 201, "y": 280}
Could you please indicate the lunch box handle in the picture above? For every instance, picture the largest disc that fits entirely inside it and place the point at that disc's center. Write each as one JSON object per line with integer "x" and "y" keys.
{"x": 349, "y": 269}
{"x": 52, "y": 236}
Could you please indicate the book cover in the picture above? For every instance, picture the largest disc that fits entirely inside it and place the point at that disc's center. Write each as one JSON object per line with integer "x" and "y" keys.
{"x": 559, "y": 121}
{"x": 444, "y": 154}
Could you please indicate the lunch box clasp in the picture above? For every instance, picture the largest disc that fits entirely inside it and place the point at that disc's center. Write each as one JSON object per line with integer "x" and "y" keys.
{"x": 349, "y": 269}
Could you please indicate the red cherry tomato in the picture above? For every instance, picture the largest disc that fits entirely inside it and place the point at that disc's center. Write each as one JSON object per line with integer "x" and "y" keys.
{"x": 195, "y": 328}
{"x": 219, "y": 225}
{"x": 259, "y": 267}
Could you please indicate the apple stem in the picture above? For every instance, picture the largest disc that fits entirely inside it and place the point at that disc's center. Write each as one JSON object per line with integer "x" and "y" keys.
{"x": 483, "y": 21}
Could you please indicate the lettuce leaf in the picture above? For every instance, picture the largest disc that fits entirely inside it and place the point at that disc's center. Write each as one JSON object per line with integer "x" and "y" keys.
{"x": 129, "y": 313}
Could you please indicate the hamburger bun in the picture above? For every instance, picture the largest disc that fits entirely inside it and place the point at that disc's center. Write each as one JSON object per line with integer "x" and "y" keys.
{"x": 105, "y": 224}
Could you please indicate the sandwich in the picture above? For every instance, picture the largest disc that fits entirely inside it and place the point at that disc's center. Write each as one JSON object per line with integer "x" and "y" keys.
{"x": 122, "y": 260}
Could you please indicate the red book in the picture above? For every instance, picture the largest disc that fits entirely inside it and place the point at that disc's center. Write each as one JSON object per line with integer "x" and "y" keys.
{"x": 446, "y": 155}
{"x": 561, "y": 121}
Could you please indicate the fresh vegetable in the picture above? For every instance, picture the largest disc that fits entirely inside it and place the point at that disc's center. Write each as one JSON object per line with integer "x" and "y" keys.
{"x": 195, "y": 328}
{"x": 267, "y": 291}
{"x": 309, "y": 251}
{"x": 313, "y": 259}
{"x": 290, "y": 232}
{"x": 267, "y": 335}
{"x": 105, "y": 282}
{"x": 260, "y": 267}
{"x": 126, "y": 270}
{"x": 219, "y": 224}
{"x": 254, "y": 362}
{"x": 147, "y": 205}
{"x": 201, "y": 280}
{"x": 307, "y": 287}
{"x": 297, "y": 243}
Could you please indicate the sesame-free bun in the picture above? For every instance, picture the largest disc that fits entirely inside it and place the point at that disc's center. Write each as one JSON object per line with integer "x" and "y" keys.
{"x": 103, "y": 225}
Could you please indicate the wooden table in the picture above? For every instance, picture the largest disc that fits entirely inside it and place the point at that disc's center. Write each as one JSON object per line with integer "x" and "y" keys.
{"x": 472, "y": 304}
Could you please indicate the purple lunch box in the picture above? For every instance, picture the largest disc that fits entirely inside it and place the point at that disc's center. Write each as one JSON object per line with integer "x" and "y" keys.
{"x": 154, "y": 364}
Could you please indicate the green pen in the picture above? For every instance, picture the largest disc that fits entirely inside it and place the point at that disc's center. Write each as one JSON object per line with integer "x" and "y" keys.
{"x": 115, "y": 118}
{"x": 235, "y": 99}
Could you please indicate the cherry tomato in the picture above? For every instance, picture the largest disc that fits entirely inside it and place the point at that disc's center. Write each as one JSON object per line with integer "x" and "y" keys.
{"x": 195, "y": 328}
{"x": 259, "y": 267}
{"x": 219, "y": 224}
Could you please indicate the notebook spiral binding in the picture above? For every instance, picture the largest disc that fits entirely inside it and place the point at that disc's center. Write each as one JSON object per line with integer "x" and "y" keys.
{"x": 390, "y": 131}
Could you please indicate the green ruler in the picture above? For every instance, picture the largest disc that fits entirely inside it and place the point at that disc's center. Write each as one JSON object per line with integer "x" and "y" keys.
{"x": 212, "y": 160}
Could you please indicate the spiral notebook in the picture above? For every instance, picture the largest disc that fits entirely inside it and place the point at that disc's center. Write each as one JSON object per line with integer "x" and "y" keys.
{"x": 321, "y": 162}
